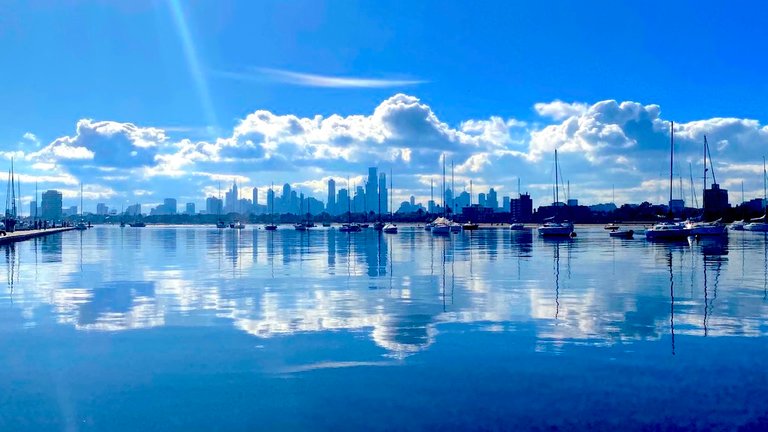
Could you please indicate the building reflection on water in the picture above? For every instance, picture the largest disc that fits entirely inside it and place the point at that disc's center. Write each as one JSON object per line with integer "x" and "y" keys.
{"x": 396, "y": 289}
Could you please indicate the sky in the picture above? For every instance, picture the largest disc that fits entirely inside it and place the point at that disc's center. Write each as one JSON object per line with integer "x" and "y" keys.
{"x": 149, "y": 99}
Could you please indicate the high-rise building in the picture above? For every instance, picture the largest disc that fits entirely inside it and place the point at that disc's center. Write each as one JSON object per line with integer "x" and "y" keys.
{"x": 270, "y": 200}
{"x": 492, "y": 200}
{"x": 231, "y": 198}
{"x": 169, "y": 205}
{"x": 383, "y": 194}
{"x": 133, "y": 210}
{"x": 213, "y": 205}
{"x": 505, "y": 203}
{"x": 51, "y": 205}
{"x": 482, "y": 200}
{"x": 342, "y": 203}
{"x": 358, "y": 202}
{"x": 371, "y": 191}
{"x": 190, "y": 208}
{"x": 521, "y": 208}
{"x": 255, "y": 197}
{"x": 332, "y": 197}
{"x": 102, "y": 209}
{"x": 33, "y": 212}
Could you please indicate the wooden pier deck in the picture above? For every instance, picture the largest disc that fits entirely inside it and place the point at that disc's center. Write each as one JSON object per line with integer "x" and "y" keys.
{"x": 18, "y": 236}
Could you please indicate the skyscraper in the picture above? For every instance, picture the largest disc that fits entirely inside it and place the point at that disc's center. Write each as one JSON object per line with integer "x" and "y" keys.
{"x": 255, "y": 197}
{"x": 169, "y": 205}
{"x": 383, "y": 193}
{"x": 231, "y": 198}
{"x": 190, "y": 210}
{"x": 371, "y": 192}
{"x": 213, "y": 205}
{"x": 492, "y": 200}
{"x": 51, "y": 205}
{"x": 332, "y": 197}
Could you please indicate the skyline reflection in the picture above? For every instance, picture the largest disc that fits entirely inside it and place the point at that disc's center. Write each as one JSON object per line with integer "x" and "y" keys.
{"x": 397, "y": 290}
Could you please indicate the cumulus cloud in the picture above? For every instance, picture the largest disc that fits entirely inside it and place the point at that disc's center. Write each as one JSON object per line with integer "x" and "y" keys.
{"x": 609, "y": 142}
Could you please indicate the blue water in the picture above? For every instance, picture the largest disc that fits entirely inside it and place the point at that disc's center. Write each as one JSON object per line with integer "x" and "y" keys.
{"x": 193, "y": 328}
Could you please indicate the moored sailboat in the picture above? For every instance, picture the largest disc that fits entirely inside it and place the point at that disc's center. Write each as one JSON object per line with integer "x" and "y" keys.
{"x": 552, "y": 227}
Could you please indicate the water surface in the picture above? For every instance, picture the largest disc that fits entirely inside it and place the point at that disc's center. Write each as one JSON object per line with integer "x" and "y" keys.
{"x": 193, "y": 328}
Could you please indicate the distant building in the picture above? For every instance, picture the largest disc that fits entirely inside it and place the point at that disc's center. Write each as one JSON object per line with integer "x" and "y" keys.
{"x": 676, "y": 206}
{"x": 477, "y": 213}
{"x": 190, "y": 208}
{"x": 51, "y": 205}
{"x": 481, "y": 200}
{"x": 521, "y": 208}
{"x": 332, "y": 208}
{"x": 102, "y": 209}
{"x": 492, "y": 199}
{"x": 169, "y": 206}
{"x": 371, "y": 191}
{"x": 715, "y": 202}
{"x": 255, "y": 197}
{"x": 133, "y": 210}
{"x": 213, "y": 205}
{"x": 69, "y": 211}
{"x": 230, "y": 199}
{"x": 755, "y": 206}
{"x": 383, "y": 193}
{"x": 34, "y": 212}
{"x": 505, "y": 203}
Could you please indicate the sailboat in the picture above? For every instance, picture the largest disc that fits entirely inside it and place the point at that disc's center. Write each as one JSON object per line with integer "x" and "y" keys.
{"x": 761, "y": 224}
{"x": 390, "y": 228}
{"x": 81, "y": 226}
{"x": 349, "y": 226}
{"x": 669, "y": 230}
{"x": 701, "y": 228}
{"x": 552, "y": 227}
{"x": 271, "y": 225}
{"x": 442, "y": 225}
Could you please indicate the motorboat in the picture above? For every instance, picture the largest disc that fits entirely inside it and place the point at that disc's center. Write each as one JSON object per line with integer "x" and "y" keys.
{"x": 620, "y": 233}
{"x": 706, "y": 228}
{"x": 556, "y": 229}
{"x": 364, "y": 225}
{"x": 390, "y": 228}
{"x": 270, "y": 227}
{"x": 221, "y": 224}
{"x": 81, "y": 226}
{"x": 441, "y": 225}
{"x": 300, "y": 227}
{"x": 326, "y": 224}
{"x": 137, "y": 225}
{"x": 237, "y": 225}
{"x": 737, "y": 225}
{"x": 469, "y": 226}
{"x": 611, "y": 227}
{"x": 379, "y": 225}
{"x": 517, "y": 226}
{"x": 350, "y": 227}
{"x": 667, "y": 231}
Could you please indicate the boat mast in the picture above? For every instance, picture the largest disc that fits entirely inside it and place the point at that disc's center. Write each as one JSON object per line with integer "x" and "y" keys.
{"x": 453, "y": 193}
{"x": 693, "y": 188}
{"x": 391, "y": 192}
{"x": 81, "y": 201}
{"x": 671, "y": 158}
{"x": 432, "y": 191}
{"x": 557, "y": 191}
{"x": 705, "y": 171}
{"x": 444, "y": 203}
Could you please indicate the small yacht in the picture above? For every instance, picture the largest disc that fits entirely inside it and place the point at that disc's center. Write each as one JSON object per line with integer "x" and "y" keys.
{"x": 758, "y": 225}
{"x": 737, "y": 225}
{"x": 428, "y": 226}
{"x": 81, "y": 226}
{"x": 379, "y": 225}
{"x": 389, "y": 228}
{"x": 706, "y": 228}
{"x": 350, "y": 227}
{"x": 137, "y": 224}
{"x": 441, "y": 225}
{"x": 620, "y": 233}
{"x": 667, "y": 231}
{"x": 270, "y": 227}
{"x": 455, "y": 227}
{"x": 611, "y": 227}
{"x": 300, "y": 227}
{"x": 237, "y": 225}
{"x": 517, "y": 226}
{"x": 220, "y": 224}
{"x": 556, "y": 229}
{"x": 469, "y": 226}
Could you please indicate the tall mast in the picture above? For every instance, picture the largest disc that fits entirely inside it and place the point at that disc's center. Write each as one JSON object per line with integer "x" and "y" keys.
{"x": 444, "y": 203}
{"x": 518, "y": 186}
{"x": 704, "y": 197}
{"x": 453, "y": 191}
{"x": 391, "y": 192}
{"x": 693, "y": 188}
{"x": 742, "y": 191}
{"x": 37, "y": 203}
{"x": 671, "y": 156}
{"x": 613, "y": 194}
{"x": 557, "y": 179}
{"x": 431, "y": 190}
{"x": 765, "y": 182}
{"x": 82, "y": 213}
{"x": 13, "y": 191}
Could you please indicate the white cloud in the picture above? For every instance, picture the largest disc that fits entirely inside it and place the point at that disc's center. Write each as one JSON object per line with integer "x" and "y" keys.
{"x": 559, "y": 110}
{"x": 315, "y": 80}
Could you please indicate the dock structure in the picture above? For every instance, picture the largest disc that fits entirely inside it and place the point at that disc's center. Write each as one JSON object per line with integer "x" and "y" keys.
{"x": 18, "y": 236}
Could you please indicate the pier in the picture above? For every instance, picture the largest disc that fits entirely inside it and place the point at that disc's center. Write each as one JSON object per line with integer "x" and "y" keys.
{"x": 18, "y": 236}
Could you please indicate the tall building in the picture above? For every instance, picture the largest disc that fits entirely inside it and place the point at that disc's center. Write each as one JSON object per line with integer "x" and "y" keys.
{"x": 213, "y": 205}
{"x": 133, "y": 210}
{"x": 505, "y": 203}
{"x": 285, "y": 200}
{"x": 358, "y": 202}
{"x": 521, "y": 208}
{"x": 492, "y": 199}
{"x": 33, "y": 211}
{"x": 169, "y": 206}
{"x": 102, "y": 209}
{"x": 255, "y": 197}
{"x": 51, "y": 205}
{"x": 371, "y": 191}
{"x": 482, "y": 200}
{"x": 715, "y": 202}
{"x": 190, "y": 208}
{"x": 230, "y": 199}
{"x": 270, "y": 200}
{"x": 343, "y": 204}
{"x": 332, "y": 197}
{"x": 383, "y": 194}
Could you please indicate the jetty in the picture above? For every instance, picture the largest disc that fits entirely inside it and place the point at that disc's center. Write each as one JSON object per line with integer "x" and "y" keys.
{"x": 18, "y": 236}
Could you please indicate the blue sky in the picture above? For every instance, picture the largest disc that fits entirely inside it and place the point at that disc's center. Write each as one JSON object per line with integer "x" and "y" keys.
{"x": 168, "y": 94}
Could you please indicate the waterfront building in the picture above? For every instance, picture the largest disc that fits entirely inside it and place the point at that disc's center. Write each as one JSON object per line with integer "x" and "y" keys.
{"x": 213, "y": 205}
{"x": 190, "y": 208}
{"x": 492, "y": 200}
{"x": 102, "y": 209}
{"x": 169, "y": 205}
{"x": 521, "y": 208}
{"x": 332, "y": 197}
{"x": 371, "y": 191}
{"x": 231, "y": 198}
{"x": 715, "y": 202}
{"x": 383, "y": 194}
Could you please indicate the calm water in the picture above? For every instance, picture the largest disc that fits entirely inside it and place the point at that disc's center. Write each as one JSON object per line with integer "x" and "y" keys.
{"x": 198, "y": 329}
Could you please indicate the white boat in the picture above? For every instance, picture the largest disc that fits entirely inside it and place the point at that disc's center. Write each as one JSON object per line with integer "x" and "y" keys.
{"x": 455, "y": 227}
{"x": 441, "y": 225}
{"x": 706, "y": 228}
{"x": 611, "y": 227}
{"x": 350, "y": 227}
{"x": 221, "y": 224}
{"x": 758, "y": 225}
{"x": 81, "y": 226}
{"x": 300, "y": 227}
{"x": 390, "y": 228}
{"x": 556, "y": 229}
{"x": 737, "y": 225}
{"x": 237, "y": 225}
{"x": 667, "y": 231}
{"x": 620, "y": 233}
{"x": 517, "y": 226}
